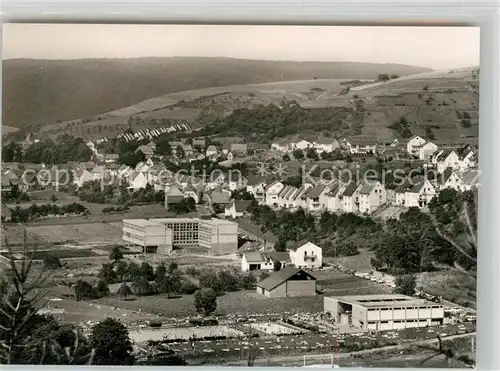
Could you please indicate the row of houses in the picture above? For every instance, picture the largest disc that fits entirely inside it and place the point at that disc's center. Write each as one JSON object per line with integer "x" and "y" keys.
{"x": 153, "y": 133}
{"x": 334, "y": 196}
{"x": 354, "y": 145}
{"x": 461, "y": 158}
{"x": 363, "y": 196}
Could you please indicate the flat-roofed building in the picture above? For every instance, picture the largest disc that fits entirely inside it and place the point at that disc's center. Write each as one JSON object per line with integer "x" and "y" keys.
{"x": 153, "y": 237}
{"x": 383, "y": 312}
{"x": 220, "y": 236}
{"x": 184, "y": 230}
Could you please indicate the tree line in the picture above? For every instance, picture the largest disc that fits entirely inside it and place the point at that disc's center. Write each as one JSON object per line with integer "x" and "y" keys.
{"x": 63, "y": 149}
{"x": 33, "y": 212}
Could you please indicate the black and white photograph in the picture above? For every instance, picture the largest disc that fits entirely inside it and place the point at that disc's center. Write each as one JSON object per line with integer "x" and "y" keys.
{"x": 239, "y": 195}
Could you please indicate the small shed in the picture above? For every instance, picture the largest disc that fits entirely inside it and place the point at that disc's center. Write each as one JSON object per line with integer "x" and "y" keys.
{"x": 288, "y": 282}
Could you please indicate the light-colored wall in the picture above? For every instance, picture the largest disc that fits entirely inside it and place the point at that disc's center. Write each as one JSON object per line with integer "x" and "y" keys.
{"x": 427, "y": 150}
{"x": 278, "y": 292}
{"x": 272, "y": 194}
{"x": 300, "y": 288}
{"x": 454, "y": 182}
{"x": 331, "y": 305}
{"x": 418, "y": 141}
{"x": 148, "y": 235}
{"x": 223, "y": 237}
{"x": 297, "y": 256}
{"x": 452, "y": 161}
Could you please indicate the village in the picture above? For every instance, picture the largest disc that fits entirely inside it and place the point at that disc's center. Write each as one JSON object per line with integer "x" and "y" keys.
{"x": 218, "y": 208}
{"x": 178, "y": 195}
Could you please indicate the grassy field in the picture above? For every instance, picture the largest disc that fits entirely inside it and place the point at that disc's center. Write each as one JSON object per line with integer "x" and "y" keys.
{"x": 240, "y": 302}
{"x": 247, "y": 225}
{"x": 91, "y": 233}
{"x": 450, "y": 285}
{"x": 249, "y": 302}
{"x": 360, "y": 262}
{"x": 61, "y": 253}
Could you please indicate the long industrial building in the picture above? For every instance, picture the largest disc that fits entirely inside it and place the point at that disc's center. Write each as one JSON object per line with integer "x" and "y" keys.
{"x": 383, "y": 312}
{"x": 162, "y": 235}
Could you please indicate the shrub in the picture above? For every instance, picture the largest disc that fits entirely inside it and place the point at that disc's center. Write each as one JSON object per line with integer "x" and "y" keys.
{"x": 188, "y": 288}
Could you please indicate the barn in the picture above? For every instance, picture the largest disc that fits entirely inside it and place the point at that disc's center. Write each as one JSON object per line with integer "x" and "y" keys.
{"x": 289, "y": 281}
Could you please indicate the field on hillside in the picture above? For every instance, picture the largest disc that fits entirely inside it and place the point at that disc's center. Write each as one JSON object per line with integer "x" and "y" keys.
{"x": 42, "y": 92}
{"x": 429, "y": 100}
{"x": 219, "y": 101}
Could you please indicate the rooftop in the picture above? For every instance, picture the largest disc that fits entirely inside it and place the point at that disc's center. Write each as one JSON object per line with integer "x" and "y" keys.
{"x": 215, "y": 221}
{"x": 139, "y": 222}
{"x": 384, "y": 300}
{"x": 277, "y": 278}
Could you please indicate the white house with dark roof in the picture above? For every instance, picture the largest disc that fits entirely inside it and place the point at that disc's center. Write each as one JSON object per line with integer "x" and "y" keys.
{"x": 235, "y": 181}
{"x": 426, "y": 151}
{"x": 257, "y": 260}
{"x": 400, "y": 192}
{"x": 326, "y": 145}
{"x": 302, "y": 144}
{"x": 350, "y": 197}
{"x": 448, "y": 159}
{"x": 372, "y": 195}
{"x": 360, "y": 145}
{"x": 468, "y": 160}
{"x": 334, "y": 197}
{"x": 257, "y": 188}
{"x": 272, "y": 192}
{"x": 306, "y": 255}
{"x": 420, "y": 194}
{"x": 81, "y": 176}
{"x": 313, "y": 198}
{"x": 414, "y": 144}
{"x": 449, "y": 179}
{"x": 191, "y": 191}
{"x": 286, "y": 198}
{"x": 280, "y": 147}
{"x": 137, "y": 180}
{"x": 292, "y": 197}
{"x": 236, "y": 209}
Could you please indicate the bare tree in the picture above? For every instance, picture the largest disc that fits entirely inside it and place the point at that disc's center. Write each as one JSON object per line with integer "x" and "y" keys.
{"x": 22, "y": 294}
{"x": 20, "y": 298}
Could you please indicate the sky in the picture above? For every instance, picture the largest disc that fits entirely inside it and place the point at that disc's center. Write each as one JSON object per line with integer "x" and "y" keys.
{"x": 433, "y": 47}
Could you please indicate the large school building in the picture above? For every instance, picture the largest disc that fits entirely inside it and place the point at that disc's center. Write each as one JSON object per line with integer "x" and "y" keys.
{"x": 383, "y": 312}
{"x": 161, "y": 235}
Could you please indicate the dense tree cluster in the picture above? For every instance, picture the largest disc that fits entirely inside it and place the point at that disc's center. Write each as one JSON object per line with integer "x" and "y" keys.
{"x": 64, "y": 149}
{"x": 269, "y": 122}
{"x": 95, "y": 191}
{"x": 185, "y": 206}
{"x": 33, "y": 212}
